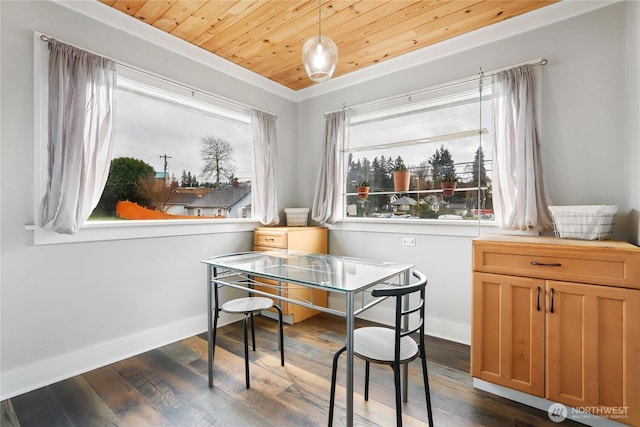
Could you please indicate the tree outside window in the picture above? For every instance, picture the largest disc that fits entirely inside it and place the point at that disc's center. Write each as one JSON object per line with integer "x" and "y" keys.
{"x": 437, "y": 139}
{"x": 178, "y": 160}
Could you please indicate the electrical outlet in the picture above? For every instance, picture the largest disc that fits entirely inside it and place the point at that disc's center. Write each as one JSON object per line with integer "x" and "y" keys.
{"x": 408, "y": 241}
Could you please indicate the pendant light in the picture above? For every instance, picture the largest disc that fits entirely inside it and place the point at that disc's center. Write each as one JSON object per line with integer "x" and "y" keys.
{"x": 319, "y": 55}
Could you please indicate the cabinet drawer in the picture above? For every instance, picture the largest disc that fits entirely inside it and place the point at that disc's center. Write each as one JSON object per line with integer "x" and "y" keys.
{"x": 575, "y": 264}
{"x": 271, "y": 239}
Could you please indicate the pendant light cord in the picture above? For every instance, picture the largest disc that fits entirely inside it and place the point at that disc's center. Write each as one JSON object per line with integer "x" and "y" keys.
{"x": 320, "y": 21}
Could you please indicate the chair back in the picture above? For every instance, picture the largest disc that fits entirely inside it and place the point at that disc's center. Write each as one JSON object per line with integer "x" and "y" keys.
{"x": 402, "y": 310}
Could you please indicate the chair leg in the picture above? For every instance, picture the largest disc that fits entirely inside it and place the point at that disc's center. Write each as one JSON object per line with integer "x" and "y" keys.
{"x": 366, "y": 381}
{"x": 253, "y": 334}
{"x": 398, "y": 386}
{"x": 333, "y": 383}
{"x": 246, "y": 350}
{"x": 426, "y": 385}
{"x": 281, "y": 335}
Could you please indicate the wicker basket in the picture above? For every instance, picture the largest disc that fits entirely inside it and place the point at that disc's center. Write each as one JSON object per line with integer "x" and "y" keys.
{"x": 296, "y": 217}
{"x": 584, "y": 222}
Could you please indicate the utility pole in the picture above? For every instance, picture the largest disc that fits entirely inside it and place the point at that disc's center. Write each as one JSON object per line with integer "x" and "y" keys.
{"x": 165, "y": 157}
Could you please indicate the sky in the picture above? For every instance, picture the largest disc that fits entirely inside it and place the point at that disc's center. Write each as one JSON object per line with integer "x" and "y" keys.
{"x": 151, "y": 126}
{"x": 148, "y": 128}
{"x": 427, "y": 124}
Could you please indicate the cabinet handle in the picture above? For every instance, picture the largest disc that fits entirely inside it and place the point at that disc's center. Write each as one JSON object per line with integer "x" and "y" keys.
{"x": 538, "y": 295}
{"x": 269, "y": 239}
{"x": 555, "y": 264}
{"x": 552, "y": 298}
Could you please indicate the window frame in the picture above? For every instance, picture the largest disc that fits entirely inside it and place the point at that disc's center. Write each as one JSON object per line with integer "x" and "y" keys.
{"x": 96, "y": 230}
{"x": 414, "y": 225}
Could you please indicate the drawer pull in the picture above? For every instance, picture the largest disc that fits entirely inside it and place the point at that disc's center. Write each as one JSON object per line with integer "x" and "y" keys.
{"x": 538, "y": 295}
{"x": 555, "y": 264}
{"x": 552, "y": 298}
{"x": 269, "y": 239}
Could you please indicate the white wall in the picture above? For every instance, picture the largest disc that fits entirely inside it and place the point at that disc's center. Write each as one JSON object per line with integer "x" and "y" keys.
{"x": 67, "y": 308}
{"x": 632, "y": 114}
{"x": 583, "y": 143}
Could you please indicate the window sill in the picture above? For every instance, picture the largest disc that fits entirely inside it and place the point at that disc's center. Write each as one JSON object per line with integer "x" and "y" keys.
{"x": 122, "y": 230}
{"x": 418, "y": 226}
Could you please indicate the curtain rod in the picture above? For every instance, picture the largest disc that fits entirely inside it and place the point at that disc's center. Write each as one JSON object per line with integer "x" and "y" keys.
{"x": 481, "y": 74}
{"x": 47, "y": 39}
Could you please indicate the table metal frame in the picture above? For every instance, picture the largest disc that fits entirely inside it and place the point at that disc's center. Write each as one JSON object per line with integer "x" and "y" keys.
{"x": 219, "y": 275}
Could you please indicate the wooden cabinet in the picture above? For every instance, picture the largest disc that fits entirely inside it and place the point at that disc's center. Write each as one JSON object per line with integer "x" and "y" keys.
{"x": 559, "y": 319}
{"x": 303, "y": 239}
{"x": 593, "y": 346}
{"x": 508, "y": 332}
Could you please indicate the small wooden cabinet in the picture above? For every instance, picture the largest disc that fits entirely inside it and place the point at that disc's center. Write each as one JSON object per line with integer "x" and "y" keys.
{"x": 303, "y": 239}
{"x": 559, "y": 319}
{"x": 507, "y": 343}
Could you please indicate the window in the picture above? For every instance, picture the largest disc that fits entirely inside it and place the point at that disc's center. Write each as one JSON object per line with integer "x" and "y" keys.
{"x": 441, "y": 137}
{"x": 152, "y": 140}
{"x": 176, "y": 154}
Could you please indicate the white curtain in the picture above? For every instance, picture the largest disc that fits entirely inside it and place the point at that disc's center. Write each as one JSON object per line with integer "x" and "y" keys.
{"x": 327, "y": 202}
{"x": 520, "y": 199}
{"x": 265, "y": 203}
{"x": 81, "y": 125}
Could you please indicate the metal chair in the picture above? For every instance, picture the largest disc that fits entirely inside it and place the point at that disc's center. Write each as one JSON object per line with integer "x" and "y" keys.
{"x": 391, "y": 346}
{"x": 248, "y": 307}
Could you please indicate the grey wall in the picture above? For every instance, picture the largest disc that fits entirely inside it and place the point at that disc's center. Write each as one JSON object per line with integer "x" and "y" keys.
{"x": 66, "y": 308}
{"x": 583, "y": 102}
{"x": 588, "y": 156}
{"x": 632, "y": 74}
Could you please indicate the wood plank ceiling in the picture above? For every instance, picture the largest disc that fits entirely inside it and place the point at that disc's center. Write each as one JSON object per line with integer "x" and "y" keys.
{"x": 266, "y": 36}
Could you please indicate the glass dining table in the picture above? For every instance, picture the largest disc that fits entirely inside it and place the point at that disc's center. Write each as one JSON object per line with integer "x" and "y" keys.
{"x": 352, "y": 277}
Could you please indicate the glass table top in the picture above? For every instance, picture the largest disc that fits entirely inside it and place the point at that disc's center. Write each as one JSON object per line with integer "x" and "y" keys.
{"x": 335, "y": 273}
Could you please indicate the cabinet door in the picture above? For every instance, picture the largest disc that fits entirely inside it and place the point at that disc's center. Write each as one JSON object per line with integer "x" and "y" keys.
{"x": 507, "y": 342}
{"x": 593, "y": 347}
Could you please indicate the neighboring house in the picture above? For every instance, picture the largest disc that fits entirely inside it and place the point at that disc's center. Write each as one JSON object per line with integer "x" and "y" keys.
{"x": 229, "y": 201}
{"x": 403, "y": 204}
{"x": 244, "y": 211}
{"x": 177, "y": 204}
{"x": 182, "y": 197}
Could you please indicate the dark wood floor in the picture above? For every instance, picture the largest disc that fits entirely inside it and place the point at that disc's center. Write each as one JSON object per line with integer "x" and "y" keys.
{"x": 168, "y": 387}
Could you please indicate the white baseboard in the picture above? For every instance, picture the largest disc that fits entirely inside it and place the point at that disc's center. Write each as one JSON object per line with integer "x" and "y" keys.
{"x": 544, "y": 404}
{"x": 45, "y": 372}
{"x": 456, "y": 332}
{"x": 40, "y": 374}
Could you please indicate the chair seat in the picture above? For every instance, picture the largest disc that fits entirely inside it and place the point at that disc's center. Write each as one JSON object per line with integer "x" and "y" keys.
{"x": 376, "y": 345}
{"x": 247, "y": 305}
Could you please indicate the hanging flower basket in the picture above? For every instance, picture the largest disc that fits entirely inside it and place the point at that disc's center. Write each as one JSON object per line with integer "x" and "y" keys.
{"x": 401, "y": 180}
{"x": 363, "y": 192}
{"x": 448, "y": 188}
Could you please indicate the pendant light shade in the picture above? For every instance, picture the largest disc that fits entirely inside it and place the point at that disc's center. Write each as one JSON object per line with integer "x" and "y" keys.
{"x": 319, "y": 55}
